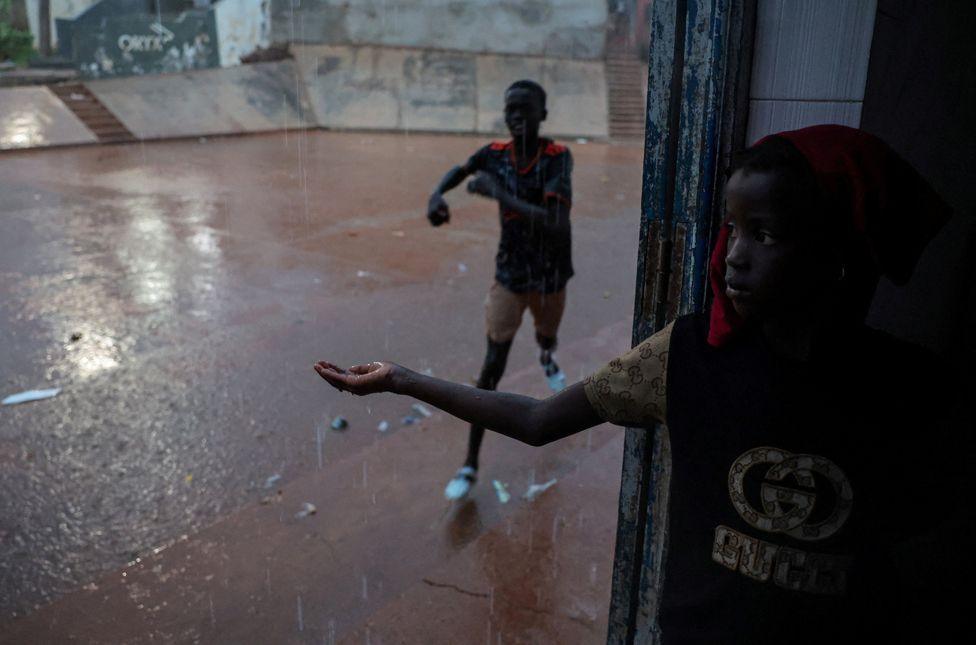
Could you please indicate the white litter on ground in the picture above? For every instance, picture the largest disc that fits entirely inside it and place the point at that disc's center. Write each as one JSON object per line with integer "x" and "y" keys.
{"x": 422, "y": 410}
{"x": 31, "y": 395}
{"x": 501, "y": 491}
{"x": 537, "y": 489}
{"x": 307, "y": 509}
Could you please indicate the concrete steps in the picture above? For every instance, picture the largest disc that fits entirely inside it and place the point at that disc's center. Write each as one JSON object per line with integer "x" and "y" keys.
{"x": 626, "y": 79}
{"x": 96, "y": 117}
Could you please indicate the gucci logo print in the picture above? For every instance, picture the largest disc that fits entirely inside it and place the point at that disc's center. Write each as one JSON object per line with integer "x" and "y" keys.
{"x": 788, "y": 509}
{"x": 789, "y": 505}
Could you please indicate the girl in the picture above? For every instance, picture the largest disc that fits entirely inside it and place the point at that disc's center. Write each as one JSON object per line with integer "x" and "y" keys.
{"x": 797, "y": 456}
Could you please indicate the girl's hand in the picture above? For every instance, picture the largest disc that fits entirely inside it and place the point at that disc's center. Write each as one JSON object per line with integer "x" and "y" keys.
{"x": 360, "y": 379}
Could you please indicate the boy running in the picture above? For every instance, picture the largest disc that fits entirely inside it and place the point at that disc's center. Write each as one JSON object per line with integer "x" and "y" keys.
{"x": 529, "y": 177}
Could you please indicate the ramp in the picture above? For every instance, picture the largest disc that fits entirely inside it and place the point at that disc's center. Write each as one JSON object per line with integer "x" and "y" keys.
{"x": 33, "y": 117}
{"x": 251, "y": 98}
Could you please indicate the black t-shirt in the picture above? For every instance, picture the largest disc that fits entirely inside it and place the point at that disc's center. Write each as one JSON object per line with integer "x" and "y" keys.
{"x": 791, "y": 481}
{"x": 531, "y": 257}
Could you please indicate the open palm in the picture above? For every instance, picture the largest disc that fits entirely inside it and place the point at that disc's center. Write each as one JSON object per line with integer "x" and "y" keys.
{"x": 359, "y": 379}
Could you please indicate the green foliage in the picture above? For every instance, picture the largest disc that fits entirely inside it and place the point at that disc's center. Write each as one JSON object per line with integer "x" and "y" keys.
{"x": 15, "y": 44}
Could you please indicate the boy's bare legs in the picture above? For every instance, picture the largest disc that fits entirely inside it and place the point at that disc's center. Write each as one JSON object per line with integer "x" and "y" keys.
{"x": 491, "y": 372}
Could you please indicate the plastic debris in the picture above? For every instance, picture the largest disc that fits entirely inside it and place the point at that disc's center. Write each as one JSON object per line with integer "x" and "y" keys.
{"x": 31, "y": 395}
{"x": 339, "y": 423}
{"x": 537, "y": 489}
{"x": 582, "y": 140}
{"x": 408, "y": 420}
{"x": 422, "y": 410}
{"x": 427, "y": 372}
{"x": 606, "y": 295}
{"x": 362, "y": 274}
{"x": 307, "y": 509}
{"x": 271, "y": 481}
{"x": 383, "y": 426}
{"x": 399, "y": 234}
{"x": 501, "y": 491}
{"x": 462, "y": 267}
{"x": 188, "y": 479}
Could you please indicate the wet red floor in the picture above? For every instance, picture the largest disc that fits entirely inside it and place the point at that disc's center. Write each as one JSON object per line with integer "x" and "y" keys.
{"x": 204, "y": 278}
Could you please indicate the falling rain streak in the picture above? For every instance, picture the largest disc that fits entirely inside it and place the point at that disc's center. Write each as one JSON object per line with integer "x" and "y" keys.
{"x": 301, "y": 618}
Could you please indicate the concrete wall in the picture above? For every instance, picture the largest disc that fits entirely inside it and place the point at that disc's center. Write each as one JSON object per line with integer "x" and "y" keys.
{"x": 242, "y": 26}
{"x": 59, "y": 9}
{"x": 371, "y": 88}
{"x": 810, "y": 64}
{"x": 556, "y": 28}
{"x": 247, "y": 98}
{"x": 409, "y": 89}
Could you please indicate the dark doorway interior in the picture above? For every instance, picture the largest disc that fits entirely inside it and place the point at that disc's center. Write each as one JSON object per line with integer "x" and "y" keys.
{"x": 921, "y": 98}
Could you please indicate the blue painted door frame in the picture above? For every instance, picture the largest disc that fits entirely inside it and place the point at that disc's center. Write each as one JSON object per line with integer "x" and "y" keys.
{"x": 697, "y": 104}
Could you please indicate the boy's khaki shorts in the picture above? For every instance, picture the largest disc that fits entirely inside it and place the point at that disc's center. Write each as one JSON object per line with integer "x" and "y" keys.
{"x": 504, "y": 309}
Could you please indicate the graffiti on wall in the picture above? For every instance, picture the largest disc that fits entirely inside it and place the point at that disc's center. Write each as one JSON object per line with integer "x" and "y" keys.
{"x": 144, "y": 44}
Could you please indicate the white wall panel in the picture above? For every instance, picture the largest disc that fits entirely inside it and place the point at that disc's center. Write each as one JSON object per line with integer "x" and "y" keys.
{"x": 810, "y": 63}
{"x": 766, "y": 117}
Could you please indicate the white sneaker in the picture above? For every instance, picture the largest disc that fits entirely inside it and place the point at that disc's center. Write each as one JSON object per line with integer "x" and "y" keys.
{"x": 461, "y": 484}
{"x": 557, "y": 381}
{"x": 554, "y": 376}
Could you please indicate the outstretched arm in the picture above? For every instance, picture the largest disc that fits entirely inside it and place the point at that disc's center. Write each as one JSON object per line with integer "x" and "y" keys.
{"x": 532, "y": 421}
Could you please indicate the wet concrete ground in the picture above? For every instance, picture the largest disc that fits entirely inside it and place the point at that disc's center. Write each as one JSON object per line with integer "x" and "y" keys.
{"x": 179, "y": 292}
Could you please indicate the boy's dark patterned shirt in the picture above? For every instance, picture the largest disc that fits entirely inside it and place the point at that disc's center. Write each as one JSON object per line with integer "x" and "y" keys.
{"x": 531, "y": 257}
